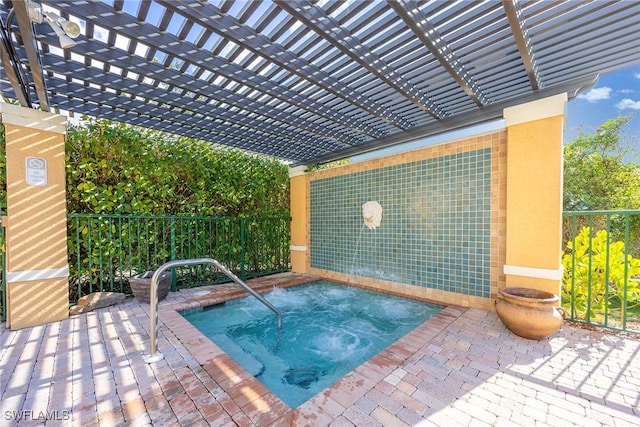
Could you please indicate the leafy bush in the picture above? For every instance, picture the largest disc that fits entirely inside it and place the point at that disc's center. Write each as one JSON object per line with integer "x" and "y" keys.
{"x": 117, "y": 168}
{"x": 597, "y": 273}
{"x": 601, "y": 170}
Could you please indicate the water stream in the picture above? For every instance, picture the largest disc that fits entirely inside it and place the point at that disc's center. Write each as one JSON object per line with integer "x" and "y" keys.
{"x": 352, "y": 270}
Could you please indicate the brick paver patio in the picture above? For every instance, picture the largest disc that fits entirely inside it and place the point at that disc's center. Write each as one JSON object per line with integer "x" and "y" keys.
{"x": 460, "y": 368}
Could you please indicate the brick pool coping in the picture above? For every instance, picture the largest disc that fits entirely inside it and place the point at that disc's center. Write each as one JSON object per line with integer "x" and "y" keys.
{"x": 248, "y": 397}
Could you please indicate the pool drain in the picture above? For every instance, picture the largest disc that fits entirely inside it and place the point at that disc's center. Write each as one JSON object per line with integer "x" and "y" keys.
{"x": 303, "y": 377}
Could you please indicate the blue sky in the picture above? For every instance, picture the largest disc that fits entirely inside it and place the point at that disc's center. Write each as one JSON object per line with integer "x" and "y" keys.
{"x": 615, "y": 94}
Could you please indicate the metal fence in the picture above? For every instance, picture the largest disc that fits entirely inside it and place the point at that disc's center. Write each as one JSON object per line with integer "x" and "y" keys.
{"x": 106, "y": 250}
{"x": 601, "y": 261}
{"x": 3, "y": 275}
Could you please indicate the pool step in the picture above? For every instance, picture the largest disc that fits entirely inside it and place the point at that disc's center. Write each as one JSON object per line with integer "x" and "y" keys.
{"x": 247, "y": 361}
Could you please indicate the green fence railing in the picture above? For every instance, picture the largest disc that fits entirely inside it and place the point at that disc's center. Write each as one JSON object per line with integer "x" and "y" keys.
{"x": 601, "y": 261}
{"x": 3, "y": 275}
{"x": 105, "y": 250}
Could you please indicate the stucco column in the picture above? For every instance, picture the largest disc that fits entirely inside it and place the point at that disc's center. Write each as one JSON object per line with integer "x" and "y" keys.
{"x": 299, "y": 194}
{"x": 534, "y": 194}
{"x": 36, "y": 221}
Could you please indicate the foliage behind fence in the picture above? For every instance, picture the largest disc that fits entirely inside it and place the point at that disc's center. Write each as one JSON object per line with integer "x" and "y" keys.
{"x": 105, "y": 250}
{"x": 3, "y": 275}
{"x": 601, "y": 282}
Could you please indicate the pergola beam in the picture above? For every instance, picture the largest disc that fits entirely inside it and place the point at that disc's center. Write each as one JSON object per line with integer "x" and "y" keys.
{"x": 100, "y": 14}
{"x": 310, "y": 81}
{"x": 428, "y": 35}
{"x": 31, "y": 50}
{"x": 9, "y": 65}
{"x": 519, "y": 29}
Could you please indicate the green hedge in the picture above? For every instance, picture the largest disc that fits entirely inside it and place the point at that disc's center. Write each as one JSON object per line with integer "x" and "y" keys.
{"x": 120, "y": 169}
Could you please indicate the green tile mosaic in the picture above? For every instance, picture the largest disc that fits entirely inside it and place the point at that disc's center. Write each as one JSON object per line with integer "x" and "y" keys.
{"x": 435, "y": 230}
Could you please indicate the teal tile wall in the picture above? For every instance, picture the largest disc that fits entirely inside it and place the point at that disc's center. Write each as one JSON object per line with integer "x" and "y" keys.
{"x": 435, "y": 230}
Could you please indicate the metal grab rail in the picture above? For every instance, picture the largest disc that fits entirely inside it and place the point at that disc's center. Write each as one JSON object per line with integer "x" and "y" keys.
{"x": 154, "y": 355}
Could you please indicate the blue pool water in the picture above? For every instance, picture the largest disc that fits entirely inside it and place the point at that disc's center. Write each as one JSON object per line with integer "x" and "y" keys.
{"x": 327, "y": 331}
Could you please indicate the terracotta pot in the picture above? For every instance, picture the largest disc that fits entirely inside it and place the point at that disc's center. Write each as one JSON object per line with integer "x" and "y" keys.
{"x": 529, "y": 313}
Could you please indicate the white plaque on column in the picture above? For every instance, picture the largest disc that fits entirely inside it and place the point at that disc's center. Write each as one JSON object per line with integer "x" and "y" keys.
{"x": 36, "y": 171}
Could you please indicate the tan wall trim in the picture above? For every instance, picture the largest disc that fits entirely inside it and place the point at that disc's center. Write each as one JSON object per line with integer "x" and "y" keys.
{"x": 32, "y": 119}
{"x": 297, "y": 171}
{"x": 533, "y": 272}
{"x": 536, "y": 110}
{"x": 25, "y": 276}
{"x": 299, "y": 210}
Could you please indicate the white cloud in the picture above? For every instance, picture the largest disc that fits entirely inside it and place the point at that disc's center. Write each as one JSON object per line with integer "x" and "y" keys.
{"x": 597, "y": 94}
{"x": 636, "y": 75}
{"x": 626, "y": 91}
{"x": 628, "y": 104}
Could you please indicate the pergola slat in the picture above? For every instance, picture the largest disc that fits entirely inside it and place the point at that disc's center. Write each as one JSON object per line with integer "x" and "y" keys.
{"x": 315, "y": 81}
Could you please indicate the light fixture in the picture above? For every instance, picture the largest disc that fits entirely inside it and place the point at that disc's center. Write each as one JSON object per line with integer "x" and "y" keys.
{"x": 65, "y": 30}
